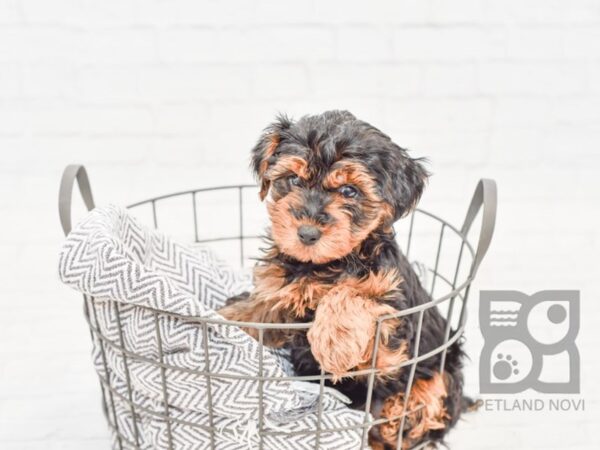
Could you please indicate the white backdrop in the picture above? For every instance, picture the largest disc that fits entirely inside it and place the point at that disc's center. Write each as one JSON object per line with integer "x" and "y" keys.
{"x": 156, "y": 96}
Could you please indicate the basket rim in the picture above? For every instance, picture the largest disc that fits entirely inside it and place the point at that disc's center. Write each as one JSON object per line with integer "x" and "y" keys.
{"x": 451, "y": 295}
{"x": 484, "y": 199}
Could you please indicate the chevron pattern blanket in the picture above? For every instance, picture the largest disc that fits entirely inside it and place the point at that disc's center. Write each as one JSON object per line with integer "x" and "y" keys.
{"x": 132, "y": 272}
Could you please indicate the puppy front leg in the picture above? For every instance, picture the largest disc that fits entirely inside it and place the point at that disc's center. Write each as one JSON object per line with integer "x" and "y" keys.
{"x": 343, "y": 333}
{"x": 256, "y": 310}
{"x": 263, "y": 305}
{"x": 342, "y": 330}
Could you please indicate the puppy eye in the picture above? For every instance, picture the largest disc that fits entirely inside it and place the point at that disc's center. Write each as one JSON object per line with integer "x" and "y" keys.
{"x": 295, "y": 180}
{"x": 348, "y": 191}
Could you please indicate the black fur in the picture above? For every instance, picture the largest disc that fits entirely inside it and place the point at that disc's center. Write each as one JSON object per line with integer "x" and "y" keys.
{"x": 413, "y": 294}
{"x": 321, "y": 140}
{"x": 325, "y": 138}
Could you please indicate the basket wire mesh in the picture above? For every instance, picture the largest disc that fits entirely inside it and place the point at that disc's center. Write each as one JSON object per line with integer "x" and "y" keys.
{"x": 446, "y": 287}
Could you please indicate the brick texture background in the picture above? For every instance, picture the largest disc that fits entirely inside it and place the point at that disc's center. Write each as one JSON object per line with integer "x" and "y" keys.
{"x": 157, "y": 96}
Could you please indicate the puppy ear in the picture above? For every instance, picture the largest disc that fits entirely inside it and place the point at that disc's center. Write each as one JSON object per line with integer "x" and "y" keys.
{"x": 410, "y": 185}
{"x": 263, "y": 153}
{"x": 406, "y": 183}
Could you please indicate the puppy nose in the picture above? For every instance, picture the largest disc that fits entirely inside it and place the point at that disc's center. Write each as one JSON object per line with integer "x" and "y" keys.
{"x": 308, "y": 234}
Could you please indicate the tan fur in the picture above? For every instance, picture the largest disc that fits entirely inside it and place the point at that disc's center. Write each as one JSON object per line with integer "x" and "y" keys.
{"x": 343, "y": 333}
{"x": 261, "y": 312}
{"x": 354, "y": 173}
{"x": 376, "y": 446}
{"x": 387, "y": 360}
{"x": 288, "y": 165}
{"x": 425, "y": 411}
{"x": 337, "y": 240}
{"x": 275, "y": 301}
{"x": 376, "y": 284}
{"x": 261, "y": 308}
{"x": 296, "y": 297}
{"x": 265, "y": 183}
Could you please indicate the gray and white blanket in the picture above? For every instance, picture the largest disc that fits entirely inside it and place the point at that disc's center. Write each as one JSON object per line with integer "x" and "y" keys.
{"x": 132, "y": 272}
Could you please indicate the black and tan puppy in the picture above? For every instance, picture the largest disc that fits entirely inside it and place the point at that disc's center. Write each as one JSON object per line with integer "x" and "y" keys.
{"x": 336, "y": 185}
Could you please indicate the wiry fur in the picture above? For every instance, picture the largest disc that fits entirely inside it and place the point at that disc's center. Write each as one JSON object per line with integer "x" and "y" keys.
{"x": 353, "y": 275}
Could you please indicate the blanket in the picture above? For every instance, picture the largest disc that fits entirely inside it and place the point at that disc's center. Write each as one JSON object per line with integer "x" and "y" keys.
{"x": 129, "y": 274}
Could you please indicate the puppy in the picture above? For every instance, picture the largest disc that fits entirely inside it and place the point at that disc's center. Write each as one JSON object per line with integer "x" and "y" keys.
{"x": 337, "y": 185}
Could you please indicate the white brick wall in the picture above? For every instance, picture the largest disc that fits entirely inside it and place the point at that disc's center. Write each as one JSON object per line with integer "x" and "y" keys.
{"x": 156, "y": 96}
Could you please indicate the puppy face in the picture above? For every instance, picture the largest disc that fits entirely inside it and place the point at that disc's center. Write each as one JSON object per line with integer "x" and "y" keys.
{"x": 333, "y": 180}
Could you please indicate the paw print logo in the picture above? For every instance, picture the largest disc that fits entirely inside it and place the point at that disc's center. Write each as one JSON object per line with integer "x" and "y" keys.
{"x": 529, "y": 342}
{"x": 505, "y": 367}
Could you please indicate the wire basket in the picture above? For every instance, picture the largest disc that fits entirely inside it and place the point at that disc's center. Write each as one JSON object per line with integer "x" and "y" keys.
{"x": 442, "y": 254}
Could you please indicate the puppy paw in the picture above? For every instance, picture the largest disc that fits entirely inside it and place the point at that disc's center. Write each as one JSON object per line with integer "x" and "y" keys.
{"x": 342, "y": 331}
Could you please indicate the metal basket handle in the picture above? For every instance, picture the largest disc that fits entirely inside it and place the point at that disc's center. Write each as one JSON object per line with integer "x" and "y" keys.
{"x": 65, "y": 194}
{"x": 485, "y": 195}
